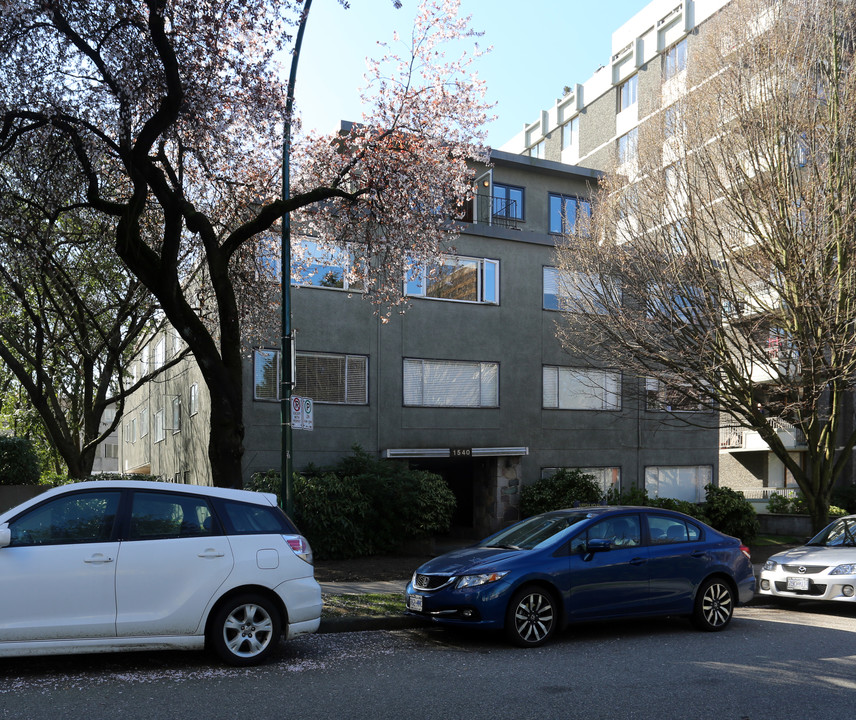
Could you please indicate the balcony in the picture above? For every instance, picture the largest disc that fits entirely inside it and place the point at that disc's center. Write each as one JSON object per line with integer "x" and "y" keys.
{"x": 498, "y": 211}
{"x": 736, "y": 438}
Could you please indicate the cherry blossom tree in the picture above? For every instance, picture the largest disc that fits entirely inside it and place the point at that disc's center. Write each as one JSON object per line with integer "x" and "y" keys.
{"x": 173, "y": 112}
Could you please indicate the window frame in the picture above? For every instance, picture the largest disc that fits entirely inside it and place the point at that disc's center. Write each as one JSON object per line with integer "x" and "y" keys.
{"x": 628, "y": 93}
{"x": 346, "y": 254}
{"x": 485, "y": 368}
{"x": 487, "y": 271}
{"x": 275, "y": 355}
{"x": 675, "y": 60}
{"x": 627, "y": 146}
{"x": 508, "y": 188}
{"x": 346, "y": 358}
{"x": 564, "y": 200}
{"x": 611, "y": 400}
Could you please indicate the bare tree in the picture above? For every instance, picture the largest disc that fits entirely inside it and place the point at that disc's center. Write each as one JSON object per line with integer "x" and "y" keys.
{"x": 174, "y": 113}
{"x": 722, "y": 261}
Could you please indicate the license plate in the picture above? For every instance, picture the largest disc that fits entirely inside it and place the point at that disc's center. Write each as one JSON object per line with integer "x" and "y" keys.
{"x": 414, "y": 602}
{"x": 798, "y": 583}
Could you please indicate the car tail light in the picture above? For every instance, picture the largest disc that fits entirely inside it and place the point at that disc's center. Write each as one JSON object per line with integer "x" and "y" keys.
{"x": 300, "y": 547}
{"x": 745, "y": 551}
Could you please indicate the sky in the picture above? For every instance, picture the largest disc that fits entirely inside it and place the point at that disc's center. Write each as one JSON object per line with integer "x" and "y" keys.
{"x": 539, "y": 46}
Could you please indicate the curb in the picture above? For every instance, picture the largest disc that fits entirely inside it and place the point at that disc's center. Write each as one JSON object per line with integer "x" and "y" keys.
{"x": 362, "y": 623}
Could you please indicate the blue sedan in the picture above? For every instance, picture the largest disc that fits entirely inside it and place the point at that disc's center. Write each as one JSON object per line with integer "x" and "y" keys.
{"x": 582, "y": 564}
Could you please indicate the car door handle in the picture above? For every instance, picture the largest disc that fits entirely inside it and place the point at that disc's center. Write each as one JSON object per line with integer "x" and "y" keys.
{"x": 210, "y": 553}
{"x": 699, "y": 554}
{"x": 638, "y": 561}
{"x": 98, "y": 559}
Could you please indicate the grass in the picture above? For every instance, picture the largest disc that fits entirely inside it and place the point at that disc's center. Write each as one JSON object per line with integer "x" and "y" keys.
{"x": 776, "y": 540}
{"x": 362, "y": 605}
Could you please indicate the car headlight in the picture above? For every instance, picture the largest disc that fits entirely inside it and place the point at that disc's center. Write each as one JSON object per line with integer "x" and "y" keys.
{"x": 849, "y": 569}
{"x": 483, "y": 579}
{"x": 770, "y": 565}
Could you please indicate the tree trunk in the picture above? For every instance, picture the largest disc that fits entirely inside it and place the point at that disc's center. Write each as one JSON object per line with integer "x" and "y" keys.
{"x": 225, "y": 445}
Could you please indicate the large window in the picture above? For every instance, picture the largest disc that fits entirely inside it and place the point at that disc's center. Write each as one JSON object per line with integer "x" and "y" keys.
{"x": 675, "y": 60}
{"x": 571, "y": 133}
{"x": 464, "y": 279}
{"x": 608, "y": 478}
{"x": 320, "y": 266}
{"x": 574, "y": 292}
{"x": 266, "y": 375}
{"x": 565, "y": 211}
{"x": 568, "y": 388}
{"x": 331, "y": 378}
{"x": 451, "y": 383}
{"x": 507, "y": 201}
{"x": 678, "y": 482}
{"x": 628, "y": 93}
{"x": 627, "y": 147}
{"x": 677, "y": 397}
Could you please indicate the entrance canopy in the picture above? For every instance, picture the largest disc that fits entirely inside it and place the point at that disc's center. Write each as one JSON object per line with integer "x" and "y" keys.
{"x": 460, "y": 452}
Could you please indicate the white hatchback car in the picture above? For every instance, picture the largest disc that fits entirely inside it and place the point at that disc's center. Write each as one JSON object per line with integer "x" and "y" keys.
{"x": 822, "y": 569}
{"x": 105, "y": 566}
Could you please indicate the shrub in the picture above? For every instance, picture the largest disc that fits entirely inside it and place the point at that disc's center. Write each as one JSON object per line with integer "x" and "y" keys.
{"x": 685, "y": 506}
{"x": 731, "y": 513}
{"x": 364, "y": 506}
{"x": 19, "y": 464}
{"x": 558, "y": 491}
{"x": 845, "y": 497}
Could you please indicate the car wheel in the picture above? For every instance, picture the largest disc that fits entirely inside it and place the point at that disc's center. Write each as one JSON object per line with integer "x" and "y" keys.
{"x": 532, "y": 617}
{"x": 245, "y": 630}
{"x": 714, "y": 605}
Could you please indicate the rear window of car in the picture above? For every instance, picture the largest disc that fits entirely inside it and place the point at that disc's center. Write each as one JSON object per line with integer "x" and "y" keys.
{"x": 249, "y": 519}
{"x": 665, "y": 530}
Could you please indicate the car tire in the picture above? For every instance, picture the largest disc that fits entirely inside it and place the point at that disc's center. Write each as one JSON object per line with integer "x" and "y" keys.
{"x": 532, "y": 617}
{"x": 714, "y": 605}
{"x": 245, "y": 630}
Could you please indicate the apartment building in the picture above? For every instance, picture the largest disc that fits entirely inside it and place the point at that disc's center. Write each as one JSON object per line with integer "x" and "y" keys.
{"x": 469, "y": 382}
{"x": 596, "y": 124}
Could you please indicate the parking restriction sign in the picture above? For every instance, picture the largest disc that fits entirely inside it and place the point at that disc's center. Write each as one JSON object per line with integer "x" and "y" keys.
{"x": 302, "y": 413}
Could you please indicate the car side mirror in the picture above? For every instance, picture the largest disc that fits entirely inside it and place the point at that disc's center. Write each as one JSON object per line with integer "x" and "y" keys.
{"x": 5, "y": 536}
{"x": 598, "y": 545}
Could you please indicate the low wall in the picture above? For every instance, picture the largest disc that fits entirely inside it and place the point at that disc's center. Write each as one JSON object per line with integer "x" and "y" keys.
{"x": 12, "y": 495}
{"x": 783, "y": 524}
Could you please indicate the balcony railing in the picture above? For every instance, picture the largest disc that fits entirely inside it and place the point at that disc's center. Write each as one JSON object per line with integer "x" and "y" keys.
{"x": 737, "y": 437}
{"x": 498, "y": 211}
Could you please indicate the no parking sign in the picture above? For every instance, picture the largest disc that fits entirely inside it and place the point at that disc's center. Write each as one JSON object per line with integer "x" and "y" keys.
{"x": 302, "y": 413}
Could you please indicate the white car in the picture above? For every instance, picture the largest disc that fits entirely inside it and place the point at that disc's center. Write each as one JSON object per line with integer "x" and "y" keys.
{"x": 822, "y": 569}
{"x": 106, "y": 566}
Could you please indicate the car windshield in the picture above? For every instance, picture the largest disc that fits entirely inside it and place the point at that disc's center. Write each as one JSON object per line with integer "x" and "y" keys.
{"x": 841, "y": 533}
{"x": 529, "y": 533}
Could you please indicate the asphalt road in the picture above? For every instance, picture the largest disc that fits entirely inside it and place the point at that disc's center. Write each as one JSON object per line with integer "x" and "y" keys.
{"x": 772, "y": 662}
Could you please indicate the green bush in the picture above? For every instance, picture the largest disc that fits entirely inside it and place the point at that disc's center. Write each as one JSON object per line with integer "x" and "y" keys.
{"x": 684, "y": 506}
{"x": 781, "y": 505}
{"x": 365, "y": 506}
{"x": 731, "y": 513}
{"x": 558, "y": 491}
{"x": 19, "y": 464}
{"x": 845, "y": 497}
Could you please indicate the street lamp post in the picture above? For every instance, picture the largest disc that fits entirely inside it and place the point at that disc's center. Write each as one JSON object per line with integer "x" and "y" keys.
{"x": 287, "y": 339}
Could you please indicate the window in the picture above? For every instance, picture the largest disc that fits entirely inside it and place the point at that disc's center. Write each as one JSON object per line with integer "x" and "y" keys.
{"x": 675, "y": 60}
{"x": 507, "y": 201}
{"x": 564, "y": 212}
{"x": 168, "y": 515}
{"x": 194, "y": 398}
{"x": 78, "y": 518}
{"x": 133, "y": 430}
{"x": 627, "y": 147}
{"x": 571, "y": 133}
{"x": 321, "y": 266}
{"x": 677, "y": 397}
{"x": 160, "y": 353}
{"x": 247, "y": 519}
{"x": 176, "y": 414}
{"x": 628, "y": 93}
{"x": 266, "y": 375}
{"x": 451, "y": 383}
{"x": 678, "y": 482}
{"x": 673, "y": 122}
{"x": 567, "y": 388}
{"x": 111, "y": 451}
{"x": 665, "y": 530}
{"x": 144, "y": 422}
{"x": 329, "y": 378}
{"x": 159, "y": 428}
{"x": 144, "y": 360}
{"x": 575, "y": 292}
{"x": 537, "y": 150}
{"x": 176, "y": 343}
{"x": 457, "y": 278}
{"x": 621, "y": 531}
